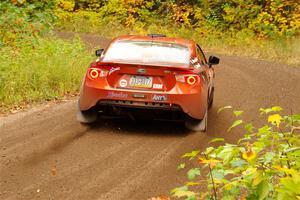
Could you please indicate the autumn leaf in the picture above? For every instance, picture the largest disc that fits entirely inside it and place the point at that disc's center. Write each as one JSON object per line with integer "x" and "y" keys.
{"x": 192, "y": 183}
{"x": 207, "y": 161}
{"x": 249, "y": 155}
{"x": 191, "y": 155}
{"x": 269, "y": 110}
{"x": 275, "y": 119}
{"x": 181, "y": 166}
{"x": 276, "y": 109}
{"x": 217, "y": 140}
{"x": 160, "y": 197}
{"x": 182, "y": 192}
{"x": 258, "y": 178}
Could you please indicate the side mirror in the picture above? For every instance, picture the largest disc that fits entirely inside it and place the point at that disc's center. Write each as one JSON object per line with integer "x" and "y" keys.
{"x": 99, "y": 52}
{"x": 213, "y": 60}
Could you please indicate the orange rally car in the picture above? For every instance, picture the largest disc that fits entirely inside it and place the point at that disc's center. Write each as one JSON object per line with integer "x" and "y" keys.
{"x": 149, "y": 77}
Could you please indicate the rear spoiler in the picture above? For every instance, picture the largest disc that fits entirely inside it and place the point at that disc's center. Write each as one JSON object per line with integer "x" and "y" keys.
{"x": 101, "y": 63}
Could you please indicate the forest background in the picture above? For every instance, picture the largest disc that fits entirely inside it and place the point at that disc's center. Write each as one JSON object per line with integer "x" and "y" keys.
{"x": 264, "y": 29}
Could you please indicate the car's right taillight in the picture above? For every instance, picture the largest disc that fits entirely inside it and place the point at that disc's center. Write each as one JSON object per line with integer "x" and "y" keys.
{"x": 188, "y": 79}
{"x": 94, "y": 73}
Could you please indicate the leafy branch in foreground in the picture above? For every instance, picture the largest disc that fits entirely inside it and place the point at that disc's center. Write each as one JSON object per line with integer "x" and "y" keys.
{"x": 264, "y": 164}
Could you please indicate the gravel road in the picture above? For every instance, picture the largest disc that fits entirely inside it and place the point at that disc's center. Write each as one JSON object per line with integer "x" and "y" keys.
{"x": 46, "y": 154}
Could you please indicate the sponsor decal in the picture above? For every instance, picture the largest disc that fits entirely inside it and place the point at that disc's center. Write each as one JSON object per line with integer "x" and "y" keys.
{"x": 193, "y": 61}
{"x": 141, "y": 96}
{"x": 112, "y": 94}
{"x": 123, "y": 83}
{"x": 157, "y": 86}
{"x": 112, "y": 70}
{"x": 103, "y": 73}
{"x": 159, "y": 97}
{"x": 197, "y": 66}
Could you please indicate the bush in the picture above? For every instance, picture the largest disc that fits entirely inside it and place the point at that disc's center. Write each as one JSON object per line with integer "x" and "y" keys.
{"x": 227, "y": 27}
{"x": 264, "y": 164}
{"x": 50, "y": 70}
{"x": 268, "y": 19}
{"x": 21, "y": 22}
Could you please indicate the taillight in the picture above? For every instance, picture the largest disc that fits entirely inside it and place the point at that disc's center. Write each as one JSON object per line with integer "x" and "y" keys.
{"x": 191, "y": 80}
{"x": 188, "y": 79}
{"x": 94, "y": 73}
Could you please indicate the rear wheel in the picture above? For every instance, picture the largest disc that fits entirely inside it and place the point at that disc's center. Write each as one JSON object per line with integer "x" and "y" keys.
{"x": 86, "y": 117}
{"x": 197, "y": 125}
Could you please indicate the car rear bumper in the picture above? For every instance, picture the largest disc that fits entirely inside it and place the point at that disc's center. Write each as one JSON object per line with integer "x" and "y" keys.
{"x": 192, "y": 102}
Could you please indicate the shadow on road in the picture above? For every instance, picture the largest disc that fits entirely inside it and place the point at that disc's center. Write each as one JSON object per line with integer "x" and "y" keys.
{"x": 154, "y": 128}
{"x": 149, "y": 128}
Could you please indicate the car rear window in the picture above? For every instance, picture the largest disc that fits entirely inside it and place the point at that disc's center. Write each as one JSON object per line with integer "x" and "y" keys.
{"x": 148, "y": 52}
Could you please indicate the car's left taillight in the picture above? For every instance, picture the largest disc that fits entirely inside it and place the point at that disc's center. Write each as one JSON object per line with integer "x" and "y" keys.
{"x": 94, "y": 73}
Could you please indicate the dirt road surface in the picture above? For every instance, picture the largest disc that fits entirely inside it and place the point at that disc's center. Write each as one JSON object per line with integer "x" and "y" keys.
{"x": 46, "y": 154}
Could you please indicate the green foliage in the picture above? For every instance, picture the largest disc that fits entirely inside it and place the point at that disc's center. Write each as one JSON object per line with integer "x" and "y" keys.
{"x": 125, "y": 12}
{"x": 228, "y": 27}
{"x": 234, "y": 124}
{"x": 51, "y": 69}
{"x": 21, "y": 22}
{"x": 34, "y": 65}
{"x": 264, "y": 164}
{"x": 270, "y": 18}
{"x": 278, "y": 17}
{"x": 192, "y": 173}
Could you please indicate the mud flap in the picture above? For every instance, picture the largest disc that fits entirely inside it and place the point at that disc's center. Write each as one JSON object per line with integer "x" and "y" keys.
{"x": 86, "y": 116}
{"x": 197, "y": 125}
{"x": 211, "y": 98}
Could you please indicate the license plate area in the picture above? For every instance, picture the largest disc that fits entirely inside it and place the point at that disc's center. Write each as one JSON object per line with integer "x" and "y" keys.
{"x": 141, "y": 81}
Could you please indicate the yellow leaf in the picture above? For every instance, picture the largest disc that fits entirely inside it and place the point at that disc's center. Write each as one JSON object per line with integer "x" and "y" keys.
{"x": 249, "y": 155}
{"x": 192, "y": 183}
{"x": 275, "y": 119}
{"x": 209, "y": 161}
{"x": 258, "y": 178}
{"x": 184, "y": 193}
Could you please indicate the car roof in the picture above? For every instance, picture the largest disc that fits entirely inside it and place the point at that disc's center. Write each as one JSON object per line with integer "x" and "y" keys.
{"x": 181, "y": 41}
